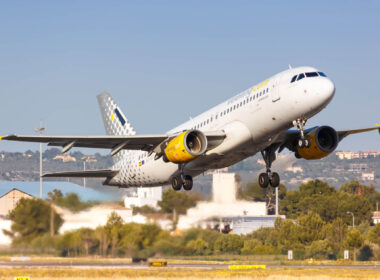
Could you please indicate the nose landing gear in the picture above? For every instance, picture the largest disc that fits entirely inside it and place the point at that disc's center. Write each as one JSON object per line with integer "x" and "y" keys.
{"x": 272, "y": 178}
{"x": 302, "y": 142}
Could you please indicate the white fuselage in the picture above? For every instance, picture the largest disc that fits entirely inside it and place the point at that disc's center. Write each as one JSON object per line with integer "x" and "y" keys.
{"x": 251, "y": 120}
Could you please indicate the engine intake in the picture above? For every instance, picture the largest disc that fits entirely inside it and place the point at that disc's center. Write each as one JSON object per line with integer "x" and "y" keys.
{"x": 185, "y": 147}
{"x": 324, "y": 141}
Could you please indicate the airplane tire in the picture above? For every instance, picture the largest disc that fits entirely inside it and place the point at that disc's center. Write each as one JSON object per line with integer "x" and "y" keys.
{"x": 301, "y": 143}
{"x": 307, "y": 143}
{"x": 176, "y": 183}
{"x": 263, "y": 180}
{"x": 275, "y": 180}
{"x": 188, "y": 183}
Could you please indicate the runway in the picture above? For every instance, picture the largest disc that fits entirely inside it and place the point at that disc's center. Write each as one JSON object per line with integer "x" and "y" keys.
{"x": 170, "y": 266}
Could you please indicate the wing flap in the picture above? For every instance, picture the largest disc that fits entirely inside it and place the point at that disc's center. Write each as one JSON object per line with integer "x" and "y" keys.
{"x": 106, "y": 173}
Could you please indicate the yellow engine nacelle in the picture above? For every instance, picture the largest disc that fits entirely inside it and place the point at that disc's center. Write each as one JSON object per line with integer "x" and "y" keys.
{"x": 324, "y": 140}
{"x": 186, "y": 147}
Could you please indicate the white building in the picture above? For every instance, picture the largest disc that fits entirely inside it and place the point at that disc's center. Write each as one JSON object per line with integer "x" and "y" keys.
{"x": 225, "y": 210}
{"x": 376, "y": 217}
{"x": 9, "y": 200}
{"x": 347, "y": 155}
{"x": 368, "y": 176}
{"x": 144, "y": 196}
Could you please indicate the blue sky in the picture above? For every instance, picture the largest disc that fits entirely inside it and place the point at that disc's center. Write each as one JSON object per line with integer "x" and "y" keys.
{"x": 164, "y": 61}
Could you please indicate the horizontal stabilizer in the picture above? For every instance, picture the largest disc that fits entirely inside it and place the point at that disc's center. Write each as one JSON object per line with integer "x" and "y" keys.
{"x": 106, "y": 173}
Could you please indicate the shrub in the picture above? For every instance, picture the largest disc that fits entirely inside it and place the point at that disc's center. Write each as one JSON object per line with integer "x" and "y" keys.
{"x": 320, "y": 249}
{"x": 249, "y": 246}
{"x": 228, "y": 243}
{"x": 197, "y": 247}
{"x": 365, "y": 253}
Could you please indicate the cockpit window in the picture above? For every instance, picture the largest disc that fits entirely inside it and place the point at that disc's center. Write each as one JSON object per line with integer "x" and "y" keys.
{"x": 293, "y": 79}
{"x": 301, "y": 76}
{"x": 322, "y": 74}
{"x": 311, "y": 74}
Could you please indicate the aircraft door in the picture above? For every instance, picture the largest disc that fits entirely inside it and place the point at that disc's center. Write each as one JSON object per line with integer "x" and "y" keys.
{"x": 276, "y": 90}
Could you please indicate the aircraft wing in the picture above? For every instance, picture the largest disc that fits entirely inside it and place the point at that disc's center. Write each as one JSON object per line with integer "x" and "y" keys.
{"x": 289, "y": 137}
{"x": 344, "y": 133}
{"x": 88, "y": 173}
{"x": 116, "y": 143}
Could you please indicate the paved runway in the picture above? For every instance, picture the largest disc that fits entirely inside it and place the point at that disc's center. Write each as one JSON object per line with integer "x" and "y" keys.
{"x": 173, "y": 266}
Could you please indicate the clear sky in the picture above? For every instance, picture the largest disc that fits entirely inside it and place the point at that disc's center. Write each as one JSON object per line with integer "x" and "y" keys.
{"x": 164, "y": 61}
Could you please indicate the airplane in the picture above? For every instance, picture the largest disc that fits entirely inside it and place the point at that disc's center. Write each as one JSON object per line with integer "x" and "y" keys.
{"x": 258, "y": 119}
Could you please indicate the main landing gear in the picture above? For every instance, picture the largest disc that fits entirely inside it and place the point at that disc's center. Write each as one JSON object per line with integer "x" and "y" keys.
{"x": 302, "y": 142}
{"x": 182, "y": 180}
{"x": 269, "y": 155}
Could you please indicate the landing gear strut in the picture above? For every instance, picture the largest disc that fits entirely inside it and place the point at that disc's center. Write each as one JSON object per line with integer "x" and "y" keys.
{"x": 182, "y": 180}
{"x": 302, "y": 142}
{"x": 269, "y": 155}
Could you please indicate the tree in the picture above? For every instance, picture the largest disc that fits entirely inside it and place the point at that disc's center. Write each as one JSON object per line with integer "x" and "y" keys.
{"x": 374, "y": 234}
{"x": 30, "y": 219}
{"x": 311, "y": 228}
{"x": 354, "y": 240}
{"x": 354, "y": 186}
{"x": 197, "y": 247}
{"x": 336, "y": 233}
{"x": 179, "y": 201}
{"x": 249, "y": 246}
{"x": 70, "y": 201}
{"x": 113, "y": 231}
{"x": 315, "y": 187}
{"x": 365, "y": 253}
{"x": 229, "y": 243}
{"x": 55, "y": 195}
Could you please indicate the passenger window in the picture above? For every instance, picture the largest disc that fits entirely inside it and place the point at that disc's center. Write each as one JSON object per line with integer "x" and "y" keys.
{"x": 311, "y": 74}
{"x": 322, "y": 74}
{"x": 294, "y": 79}
{"x": 207, "y": 121}
{"x": 301, "y": 76}
{"x": 267, "y": 89}
{"x": 241, "y": 103}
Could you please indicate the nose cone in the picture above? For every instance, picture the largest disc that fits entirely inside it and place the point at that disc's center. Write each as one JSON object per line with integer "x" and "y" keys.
{"x": 326, "y": 90}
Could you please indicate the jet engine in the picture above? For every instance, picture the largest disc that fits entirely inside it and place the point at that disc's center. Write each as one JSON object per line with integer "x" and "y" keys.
{"x": 324, "y": 140}
{"x": 185, "y": 147}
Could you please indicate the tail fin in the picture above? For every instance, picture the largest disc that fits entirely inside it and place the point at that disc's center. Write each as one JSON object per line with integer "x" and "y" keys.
{"x": 114, "y": 120}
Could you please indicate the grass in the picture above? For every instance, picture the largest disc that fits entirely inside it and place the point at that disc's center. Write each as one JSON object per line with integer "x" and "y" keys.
{"x": 168, "y": 273}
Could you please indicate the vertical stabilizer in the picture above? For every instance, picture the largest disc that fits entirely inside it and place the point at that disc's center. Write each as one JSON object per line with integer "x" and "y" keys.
{"x": 114, "y": 120}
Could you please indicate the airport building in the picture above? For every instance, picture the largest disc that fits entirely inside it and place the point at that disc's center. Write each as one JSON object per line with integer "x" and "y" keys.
{"x": 143, "y": 196}
{"x": 225, "y": 212}
{"x": 9, "y": 200}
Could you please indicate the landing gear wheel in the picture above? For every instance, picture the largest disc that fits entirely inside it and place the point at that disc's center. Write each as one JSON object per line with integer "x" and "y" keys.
{"x": 307, "y": 143}
{"x": 188, "y": 183}
{"x": 263, "y": 180}
{"x": 301, "y": 143}
{"x": 176, "y": 183}
{"x": 275, "y": 180}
